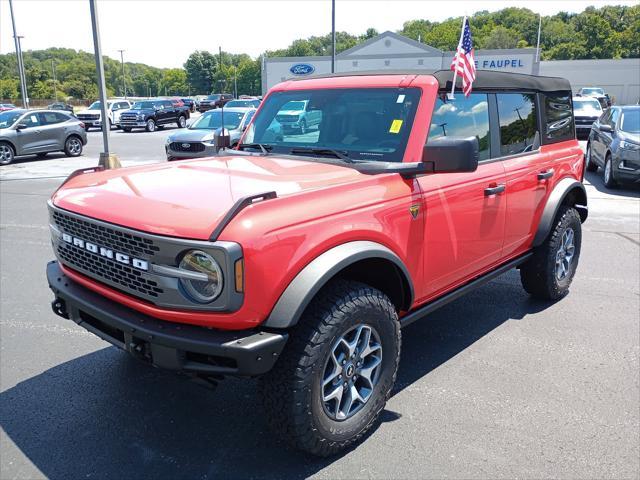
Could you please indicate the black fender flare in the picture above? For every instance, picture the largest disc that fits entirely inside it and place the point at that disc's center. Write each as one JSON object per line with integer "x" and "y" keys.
{"x": 308, "y": 282}
{"x": 564, "y": 188}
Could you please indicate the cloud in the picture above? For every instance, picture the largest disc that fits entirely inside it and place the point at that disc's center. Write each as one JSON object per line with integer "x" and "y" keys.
{"x": 476, "y": 109}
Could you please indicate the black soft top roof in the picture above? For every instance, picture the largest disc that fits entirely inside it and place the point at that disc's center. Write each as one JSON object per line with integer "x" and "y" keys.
{"x": 490, "y": 80}
{"x": 485, "y": 79}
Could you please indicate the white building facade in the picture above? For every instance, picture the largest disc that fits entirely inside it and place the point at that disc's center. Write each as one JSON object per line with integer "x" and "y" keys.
{"x": 392, "y": 52}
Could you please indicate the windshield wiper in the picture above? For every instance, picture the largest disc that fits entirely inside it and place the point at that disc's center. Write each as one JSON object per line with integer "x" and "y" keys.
{"x": 323, "y": 151}
{"x": 264, "y": 148}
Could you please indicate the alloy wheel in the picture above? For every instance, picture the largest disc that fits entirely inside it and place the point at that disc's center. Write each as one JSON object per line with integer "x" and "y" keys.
{"x": 74, "y": 146}
{"x": 351, "y": 372}
{"x": 6, "y": 155}
{"x": 565, "y": 254}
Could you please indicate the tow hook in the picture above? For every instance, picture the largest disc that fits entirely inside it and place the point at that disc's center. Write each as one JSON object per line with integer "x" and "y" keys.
{"x": 60, "y": 308}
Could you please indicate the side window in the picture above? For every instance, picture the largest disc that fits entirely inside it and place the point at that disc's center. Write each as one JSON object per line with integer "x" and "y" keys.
{"x": 558, "y": 114}
{"x": 463, "y": 117}
{"x": 615, "y": 115}
{"x": 31, "y": 120}
{"x": 61, "y": 117}
{"x": 249, "y": 117}
{"x": 518, "y": 122}
{"x": 48, "y": 118}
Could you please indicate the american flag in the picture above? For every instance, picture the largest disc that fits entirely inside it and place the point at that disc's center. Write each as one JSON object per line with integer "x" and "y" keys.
{"x": 463, "y": 62}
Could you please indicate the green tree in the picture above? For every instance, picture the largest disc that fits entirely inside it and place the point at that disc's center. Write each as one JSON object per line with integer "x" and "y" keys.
{"x": 501, "y": 37}
{"x": 200, "y": 68}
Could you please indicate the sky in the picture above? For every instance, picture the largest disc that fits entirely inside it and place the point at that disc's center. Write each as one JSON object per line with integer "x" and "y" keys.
{"x": 163, "y": 33}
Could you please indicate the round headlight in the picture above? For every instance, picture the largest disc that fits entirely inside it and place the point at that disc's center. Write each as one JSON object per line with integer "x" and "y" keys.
{"x": 202, "y": 291}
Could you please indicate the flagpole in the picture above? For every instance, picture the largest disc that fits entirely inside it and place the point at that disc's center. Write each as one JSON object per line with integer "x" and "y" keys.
{"x": 538, "y": 43}
{"x": 452, "y": 96}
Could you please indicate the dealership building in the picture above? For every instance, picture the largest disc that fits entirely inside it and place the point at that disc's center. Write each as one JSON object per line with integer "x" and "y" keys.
{"x": 392, "y": 52}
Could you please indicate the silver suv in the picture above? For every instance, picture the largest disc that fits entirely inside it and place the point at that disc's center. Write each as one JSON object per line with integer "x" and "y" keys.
{"x": 26, "y": 132}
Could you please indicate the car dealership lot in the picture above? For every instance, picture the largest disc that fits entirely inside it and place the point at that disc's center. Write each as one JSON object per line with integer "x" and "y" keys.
{"x": 492, "y": 385}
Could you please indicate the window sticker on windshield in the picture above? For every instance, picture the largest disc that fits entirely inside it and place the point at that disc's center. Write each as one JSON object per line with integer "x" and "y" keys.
{"x": 395, "y": 126}
{"x": 400, "y": 99}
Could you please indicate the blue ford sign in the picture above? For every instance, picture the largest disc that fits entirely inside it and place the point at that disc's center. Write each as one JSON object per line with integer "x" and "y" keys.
{"x": 302, "y": 69}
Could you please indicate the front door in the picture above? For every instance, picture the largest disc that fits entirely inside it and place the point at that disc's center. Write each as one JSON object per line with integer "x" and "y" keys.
{"x": 465, "y": 212}
{"x": 29, "y": 139}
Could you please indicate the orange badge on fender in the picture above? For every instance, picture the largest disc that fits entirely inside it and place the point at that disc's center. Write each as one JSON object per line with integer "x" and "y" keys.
{"x": 414, "y": 210}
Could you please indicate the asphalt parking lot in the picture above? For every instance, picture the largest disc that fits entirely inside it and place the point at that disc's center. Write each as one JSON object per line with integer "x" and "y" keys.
{"x": 494, "y": 385}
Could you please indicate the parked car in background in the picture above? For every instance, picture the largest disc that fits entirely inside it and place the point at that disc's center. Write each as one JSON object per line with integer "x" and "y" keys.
{"x": 152, "y": 114}
{"x": 244, "y": 102}
{"x": 614, "y": 145}
{"x": 26, "y": 132}
{"x": 191, "y": 103}
{"x": 215, "y": 100}
{"x": 297, "y": 116}
{"x": 198, "y": 139}
{"x": 586, "y": 110}
{"x": 61, "y": 106}
{"x": 596, "y": 92}
{"x": 6, "y": 106}
{"x": 177, "y": 102}
{"x": 92, "y": 116}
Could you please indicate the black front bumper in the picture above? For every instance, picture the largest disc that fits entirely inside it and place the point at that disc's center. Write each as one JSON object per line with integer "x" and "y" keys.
{"x": 174, "y": 346}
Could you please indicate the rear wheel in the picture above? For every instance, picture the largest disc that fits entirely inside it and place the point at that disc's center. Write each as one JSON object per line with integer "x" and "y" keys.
{"x": 73, "y": 147}
{"x": 548, "y": 273}
{"x": 337, "y": 371}
{"x": 607, "y": 175}
{"x": 151, "y": 125}
{"x": 182, "y": 122}
{"x": 6, "y": 153}
{"x": 591, "y": 165}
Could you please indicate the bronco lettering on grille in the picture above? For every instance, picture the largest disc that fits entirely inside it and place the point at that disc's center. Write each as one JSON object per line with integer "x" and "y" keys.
{"x": 106, "y": 252}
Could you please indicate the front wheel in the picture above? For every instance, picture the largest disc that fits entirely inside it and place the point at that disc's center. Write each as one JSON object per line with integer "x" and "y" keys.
{"x": 151, "y": 125}
{"x": 6, "y": 153}
{"x": 607, "y": 176}
{"x": 182, "y": 122}
{"x": 548, "y": 273}
{"x": 73, "y": 147}
{"x": 337, "y": 371}
{"x": 591, "y": 165}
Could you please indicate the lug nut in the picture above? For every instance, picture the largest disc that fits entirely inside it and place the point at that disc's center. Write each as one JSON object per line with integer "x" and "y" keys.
{"x": 345, "y": 385}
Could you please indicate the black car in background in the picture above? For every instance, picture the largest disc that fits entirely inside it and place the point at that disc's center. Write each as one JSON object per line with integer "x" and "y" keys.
{"x": 614, "y": 145}
{"x": 586, "y": 110}
{"x": 61, "y": 106}
{"x": 153, "y": 114}
{"x": 215, "y": 100}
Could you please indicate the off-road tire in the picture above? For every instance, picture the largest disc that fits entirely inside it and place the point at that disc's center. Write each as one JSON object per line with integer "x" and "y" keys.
{"x": 290, "y": 391}
{"x": 538, "y": 274}
{"x": 591, "y": 165}
{"x": 607, "y": 173}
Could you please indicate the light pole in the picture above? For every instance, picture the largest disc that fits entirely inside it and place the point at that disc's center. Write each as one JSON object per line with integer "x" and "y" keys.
{"x": 55, "y": 84}
{"x": 124, "y": 84}
{"x": 235, "y": 81}
{"x": 333, "y": 36}
{"x": 23, "y": 80}
{"x": 107, "y": 159}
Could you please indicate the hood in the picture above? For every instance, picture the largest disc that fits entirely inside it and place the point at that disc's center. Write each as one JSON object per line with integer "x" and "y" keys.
{"x": 139, "y": 110}
{"x": 89, "y": 112}
{"x": 188, "y": 199}
{"x": 630, "y": 137}
{"x": 290, "y": 112}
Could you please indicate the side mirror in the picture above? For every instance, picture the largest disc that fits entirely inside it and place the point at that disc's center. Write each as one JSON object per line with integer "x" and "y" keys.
{"x": 21, "y": 126}
{"x": 605, "y": 128}
{"x": 452, "y": 155}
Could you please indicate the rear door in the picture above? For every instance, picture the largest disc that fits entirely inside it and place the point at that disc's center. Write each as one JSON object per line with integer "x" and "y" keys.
{"x": 51, "y": 131}
{"x": 464, "y": 212}
{"x": 169, "y": 113}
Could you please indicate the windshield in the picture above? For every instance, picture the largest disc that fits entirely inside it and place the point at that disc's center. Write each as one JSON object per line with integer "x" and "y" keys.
{"x": 213, "y": 97}
{"x": 8, "y": 118}
{"x": 592, "y": 91}
{"x": 213, "y": 119}
{"x": 365, "y": 123}
{"x": 580, "y": 104}
{"x": 630, "y": 121}
{"x": 242, "y": 103}
{"x": 143, "y": 106}
{"x": 96, "y": 105}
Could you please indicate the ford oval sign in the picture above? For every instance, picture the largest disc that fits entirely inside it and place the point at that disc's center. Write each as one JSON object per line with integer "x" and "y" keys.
{"x": 302, "y": 69}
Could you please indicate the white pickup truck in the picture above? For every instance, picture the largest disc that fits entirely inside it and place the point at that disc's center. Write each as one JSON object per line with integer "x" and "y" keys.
{"x": 92, "y": 116}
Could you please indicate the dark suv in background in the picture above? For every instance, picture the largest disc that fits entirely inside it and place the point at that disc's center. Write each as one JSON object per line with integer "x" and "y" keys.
{"x": 614, "y": 145}
{"x": 215, "y": 100}
{"x": 150, "y": 114}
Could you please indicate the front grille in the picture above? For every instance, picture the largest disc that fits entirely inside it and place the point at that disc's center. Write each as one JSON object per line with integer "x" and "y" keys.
{"x": 131, "y": 117}
{"x": 114, "y": 239}
{"x": 287, "y": 118}
{"x": 87, "y": 116}
{"x": 585, "y": 121}
{"x": 99, "y": 267}
{"x": 193, "y": 147}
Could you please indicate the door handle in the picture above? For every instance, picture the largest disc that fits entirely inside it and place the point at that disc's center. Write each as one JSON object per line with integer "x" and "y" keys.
{"x": 494, "y": 190}
{"x": 545, "y": 175}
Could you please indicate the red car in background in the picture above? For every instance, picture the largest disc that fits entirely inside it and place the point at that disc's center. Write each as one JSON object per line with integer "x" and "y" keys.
{"x": 6, "y": 106}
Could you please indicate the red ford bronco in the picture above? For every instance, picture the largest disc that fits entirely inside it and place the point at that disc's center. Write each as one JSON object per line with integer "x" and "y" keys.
{"x": 299, "y": 256}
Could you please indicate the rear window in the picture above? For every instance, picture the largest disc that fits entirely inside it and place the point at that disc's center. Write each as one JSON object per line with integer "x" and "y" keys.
{"x": 558, "y": 117}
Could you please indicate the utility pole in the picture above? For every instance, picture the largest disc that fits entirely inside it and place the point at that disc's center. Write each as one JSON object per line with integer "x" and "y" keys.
{"x": 124, "y": 84}
{"x": 55, "y": 84}
{"x": 107, "y": 159}
{"x": 220, "y": 66}
{"x": 333, "y": 36}
{"x": 23, "y": 80}
{"x": 235, "y": 82}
